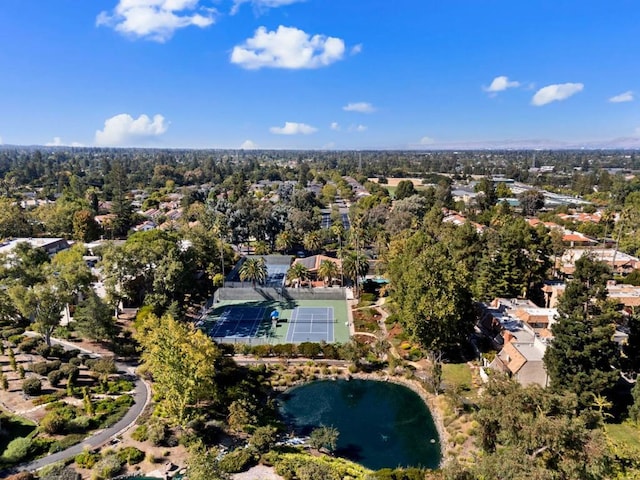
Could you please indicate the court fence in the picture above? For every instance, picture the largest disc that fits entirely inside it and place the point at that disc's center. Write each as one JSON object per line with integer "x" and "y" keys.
{"x": 279, "y": 294}
{"x": 250, "y": 341}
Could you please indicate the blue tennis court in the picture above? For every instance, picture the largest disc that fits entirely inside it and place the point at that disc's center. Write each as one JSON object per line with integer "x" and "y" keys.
{"x": 311, "y": 324}
{"x": 240, "y": 322}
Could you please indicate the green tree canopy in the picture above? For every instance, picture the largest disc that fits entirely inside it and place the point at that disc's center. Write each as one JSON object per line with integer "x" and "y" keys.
{"x": 582, "y": 356}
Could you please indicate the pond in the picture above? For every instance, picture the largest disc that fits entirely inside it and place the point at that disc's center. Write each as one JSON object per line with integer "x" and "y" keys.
{"x": 381, "y": 424}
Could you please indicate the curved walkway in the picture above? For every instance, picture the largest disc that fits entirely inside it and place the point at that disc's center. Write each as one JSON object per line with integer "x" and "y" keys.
{"x": 141, "y": 397}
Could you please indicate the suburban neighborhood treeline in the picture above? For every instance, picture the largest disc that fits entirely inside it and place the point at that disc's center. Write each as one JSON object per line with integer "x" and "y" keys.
{"x": 160, "y": 230}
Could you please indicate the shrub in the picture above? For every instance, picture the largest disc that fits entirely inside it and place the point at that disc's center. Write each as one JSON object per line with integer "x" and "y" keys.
{"x": 43, "y": 350}
{"x": 75, "y": 361}
{"x": 79, "y": 424}
{"x": 32, "y": 386}
{"x": 21, "y": 476}
{"x": 17, "y": 450}
{"x": 156, "y": 431}
{"x": 140, "y": 434}
{"x": 70, "y": 371}
{"x": 43, "y": 368}
{"x": 29, "y": 344}
{"x": 108, "y": 467}
{"x": 15, "y": 339}
{"x": 59, "y": 472}
{"x": 12, "y": 332}
{"x": 237, "y": 461}
{"x": 54, "y": 377}
{"x": 53, "y": 422}
{"x": 309, "y": 349}
{"x": 130, "y": 455}
{"x": 58, "y": 351}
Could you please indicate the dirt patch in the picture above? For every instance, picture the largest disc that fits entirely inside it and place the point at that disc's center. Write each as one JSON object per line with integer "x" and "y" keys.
{"x": 259, "y": 472}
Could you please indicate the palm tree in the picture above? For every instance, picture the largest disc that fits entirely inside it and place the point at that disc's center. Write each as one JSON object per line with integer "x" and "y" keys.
{"x": 355, "y": 265}
{"x": 262, "y": 248}
{"x": 312, "y": 241}
{"x": 254, "y": 269}
{"x": 284, "y": 241}
{"x": 298, "y": 272}
{"x": 328, "y": 270}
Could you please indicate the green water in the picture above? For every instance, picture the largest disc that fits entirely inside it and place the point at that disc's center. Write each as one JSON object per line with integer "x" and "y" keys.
{"x": 381, "y": 425}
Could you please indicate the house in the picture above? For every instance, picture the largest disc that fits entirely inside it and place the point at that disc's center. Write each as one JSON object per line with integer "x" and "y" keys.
{"x": 49, "y": 245}
{"x": 522, "y": 344}
{"x": 523, "y": 362}
{"x": 620, "y": 262}
{"x": 313, "y": 264}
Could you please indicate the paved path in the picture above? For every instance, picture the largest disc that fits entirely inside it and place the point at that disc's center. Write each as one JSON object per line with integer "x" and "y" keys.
{"x": 141, "y": 396}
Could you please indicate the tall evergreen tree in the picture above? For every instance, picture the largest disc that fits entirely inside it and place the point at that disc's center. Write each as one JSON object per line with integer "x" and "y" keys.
{"x": 583, "y": 355}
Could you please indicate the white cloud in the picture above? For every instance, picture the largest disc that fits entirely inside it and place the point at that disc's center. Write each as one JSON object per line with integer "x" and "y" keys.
{"x": 362, "y": 107}
{"x": 260, "y": 5}
{"x": 623, "y": 97}
{"x": 555, "y": 93}
{"x": 287, "y": 47}
{"x": 335, "y": 126}
{"x": 427, "y": 141}
{"x": 357, "y": 128}
{"x": 156, "y": 19}
{"x": 293, "y": 128}
{"x": 248, "y": 145}
{"x": 356, "y": 49}
{"x": 124, "y": 130}
{"x": 57, "y": 142}
{"x": 500, "y": 84}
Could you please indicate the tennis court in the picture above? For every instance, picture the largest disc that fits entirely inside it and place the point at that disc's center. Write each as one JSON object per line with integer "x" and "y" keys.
{"x": 240, "y": 322}
{"x": 295, "y": 321}
{"x": 311, "y": 324}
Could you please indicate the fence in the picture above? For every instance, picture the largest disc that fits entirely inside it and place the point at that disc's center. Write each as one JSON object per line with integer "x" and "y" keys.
{"x": 279, "y": 294}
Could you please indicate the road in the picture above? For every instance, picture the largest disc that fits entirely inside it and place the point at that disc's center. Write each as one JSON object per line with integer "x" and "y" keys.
{"x": 141, "y": 396}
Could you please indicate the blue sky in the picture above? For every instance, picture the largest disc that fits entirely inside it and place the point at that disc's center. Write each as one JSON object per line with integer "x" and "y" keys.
{"x": 336, "y": 74}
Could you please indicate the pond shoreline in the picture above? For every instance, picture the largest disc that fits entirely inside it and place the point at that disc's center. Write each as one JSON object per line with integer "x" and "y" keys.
{"x": 412, "y": 384}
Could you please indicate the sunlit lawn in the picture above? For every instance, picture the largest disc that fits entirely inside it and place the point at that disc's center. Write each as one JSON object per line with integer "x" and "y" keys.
{"x": 457, "y": 374}
{"x": 625, "y": 434}
{"x": 14, "y": 427}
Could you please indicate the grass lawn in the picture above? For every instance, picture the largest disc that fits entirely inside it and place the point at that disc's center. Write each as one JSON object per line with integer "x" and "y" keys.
{"x": 626, "y": 434}
{"x": 457, "y": 374}
{"x": 15, "y": 427}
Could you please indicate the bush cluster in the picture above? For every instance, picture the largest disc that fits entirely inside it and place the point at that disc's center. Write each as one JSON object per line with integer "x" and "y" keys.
{"x": 291, "y": 350}
{"x": 43, "y": 368}
{"x": 237, "y": 461}
{"x": 32, "y": 386}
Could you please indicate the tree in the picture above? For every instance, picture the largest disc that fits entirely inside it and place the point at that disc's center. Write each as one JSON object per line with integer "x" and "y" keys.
{"x": 48, "y": 305}
{"x": 487, "y": 197}
{"x": 14, "y": 221}
{"x": 298, "y": 272}
{"x": 328, "y": 270}
{"x": 312, "y": 241}
{"x": 354, "y": 266}
{"x": 94, "y": 319}
{"x": 324, "y": 437}
{"x": 404, "y": 189}
{"x": 531, "y": 201}
{"x": 203, "y": 464}
{"x": 582, "y": 356}
{"x": 284, "y": 241}
{"x": 255, "y": 270}
{"x": 531, "y": 432}
{"x": 263, "y": 438}
{"x": 183, "y": 363}
{"x": 631, "y": 350}
{"x": 434, "y": 303}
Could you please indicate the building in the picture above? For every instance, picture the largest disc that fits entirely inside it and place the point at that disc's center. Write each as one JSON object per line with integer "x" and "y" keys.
{"x": 49, "y": 245}
{"x": 621, "y": 263}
